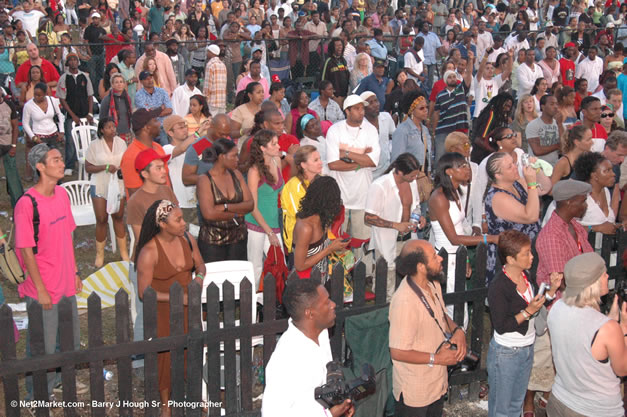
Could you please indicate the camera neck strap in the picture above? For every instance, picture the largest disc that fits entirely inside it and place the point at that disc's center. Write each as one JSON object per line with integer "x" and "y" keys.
{"x": 423, "y": 298}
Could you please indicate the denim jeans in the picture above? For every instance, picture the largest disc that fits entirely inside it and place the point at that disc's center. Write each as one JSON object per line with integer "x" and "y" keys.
{"x": 14, "y": 185}
{"x": 51, "y": 341}
{"x": 70, "y": 149}
{"x": 138, "y": 322}
{"x": 508, "y": 376}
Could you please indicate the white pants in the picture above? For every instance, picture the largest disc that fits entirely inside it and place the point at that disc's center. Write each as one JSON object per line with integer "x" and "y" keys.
{"x": 257, "y": 247}
{"x": 354, "y": 225}
{"x": 391, "y": 275}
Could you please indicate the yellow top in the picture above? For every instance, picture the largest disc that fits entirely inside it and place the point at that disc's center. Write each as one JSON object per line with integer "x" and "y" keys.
{"x": 292, "y": 193}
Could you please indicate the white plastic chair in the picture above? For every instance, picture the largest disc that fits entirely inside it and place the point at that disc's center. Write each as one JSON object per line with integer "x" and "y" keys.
{"x": 82, "y": 209}
{"x": 234, "y": 272}
{"x": 82, "y": 135}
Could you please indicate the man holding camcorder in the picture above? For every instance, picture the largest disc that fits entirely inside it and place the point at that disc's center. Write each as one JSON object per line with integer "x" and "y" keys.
{"x": 299, "y": 363}
{"x": 424, "y": 340}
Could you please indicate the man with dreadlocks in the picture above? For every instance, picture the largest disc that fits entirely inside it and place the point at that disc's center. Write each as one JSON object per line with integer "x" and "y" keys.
{"x": 496, "y": 114}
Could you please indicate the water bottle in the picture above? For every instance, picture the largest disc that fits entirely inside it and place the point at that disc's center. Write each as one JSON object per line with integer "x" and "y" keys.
{"x": 108, "y": 375}
{"x": 415, "y": 216}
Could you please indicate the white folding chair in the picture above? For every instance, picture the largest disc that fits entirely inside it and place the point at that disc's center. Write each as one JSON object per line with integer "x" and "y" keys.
{"x": 82, "y": 209}
{"x": 234, "y": 272}
{"x": 82, "y": 135}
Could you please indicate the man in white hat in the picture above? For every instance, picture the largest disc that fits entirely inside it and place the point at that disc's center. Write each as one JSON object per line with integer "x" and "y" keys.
{"x": 353, "y": 152}
{"x": 215, "y": 81}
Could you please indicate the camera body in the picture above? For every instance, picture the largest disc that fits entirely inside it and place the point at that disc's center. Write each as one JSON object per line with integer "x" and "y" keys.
{"x": 336, "y": 390}
{"x": 470, "y": 362}
{"x": 621, "y": 291}
{"x": 524, "y": 158}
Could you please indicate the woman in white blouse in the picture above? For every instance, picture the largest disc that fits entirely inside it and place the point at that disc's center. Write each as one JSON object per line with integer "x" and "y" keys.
{"x": 595, "y": 169}
{"x": 102, "y": 161}
{"x": 38, "y": 120}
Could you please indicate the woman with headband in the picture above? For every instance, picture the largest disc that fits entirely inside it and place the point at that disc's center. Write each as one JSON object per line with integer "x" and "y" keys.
{"x": 166, "y": 254}
{"x": 412, "y": 135}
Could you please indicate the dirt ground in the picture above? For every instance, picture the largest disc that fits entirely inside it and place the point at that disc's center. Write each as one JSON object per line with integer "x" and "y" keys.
{"x": 85, "y": 252}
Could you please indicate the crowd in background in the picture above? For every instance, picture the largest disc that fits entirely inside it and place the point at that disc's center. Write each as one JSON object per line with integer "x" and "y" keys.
{"x": 312, "y": 133}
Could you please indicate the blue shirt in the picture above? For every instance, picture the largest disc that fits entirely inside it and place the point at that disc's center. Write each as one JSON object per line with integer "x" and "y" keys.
{"x": 463, "y": 51}
{"x": 192, "y": 158}
{"x": 407, "y": 138}
{"x": 432, "y": 43}
{"x": 377, "y": 49}
{"x": 148, "y": 101}
{"x": 622, "y": 86}
{"x": 370, "y": 83}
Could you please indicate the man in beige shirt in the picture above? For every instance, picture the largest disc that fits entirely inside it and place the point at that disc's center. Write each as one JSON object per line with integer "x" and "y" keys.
{"x": 420, "y": 377}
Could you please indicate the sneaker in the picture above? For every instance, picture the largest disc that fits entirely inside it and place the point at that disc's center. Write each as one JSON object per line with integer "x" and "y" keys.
{"x": 80, "y": 388}
{"x": 68, "y": 172}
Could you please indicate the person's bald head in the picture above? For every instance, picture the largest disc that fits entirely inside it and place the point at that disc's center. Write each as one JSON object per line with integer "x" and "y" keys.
{"x": 419, "y": 257}
{"x": 220, "y": 126}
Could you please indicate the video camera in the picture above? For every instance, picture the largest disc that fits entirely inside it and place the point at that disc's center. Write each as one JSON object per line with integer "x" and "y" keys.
{"x": 336, "y": 390}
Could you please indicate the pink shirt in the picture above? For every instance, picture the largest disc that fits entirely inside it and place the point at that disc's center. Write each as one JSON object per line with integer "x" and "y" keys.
{"x": 55, "y": 257}
{"x": 247, "y": 80}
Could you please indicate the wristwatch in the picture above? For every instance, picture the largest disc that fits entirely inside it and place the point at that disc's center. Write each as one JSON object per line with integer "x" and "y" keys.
{"x": 226, "y": 208}
{"x": 431, "y": 360}
{"x": 346, "y": 154}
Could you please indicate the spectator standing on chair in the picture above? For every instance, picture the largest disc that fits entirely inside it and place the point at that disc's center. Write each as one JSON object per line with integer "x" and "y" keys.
{"x": 352, "y": 155}
{"x": 223, "y": 233}
{"x": 48, "y": 70}
{"x": 391, "y": 200}
{"x": 41, "y": 111}
{"x": 8, "y": 145}
{"x": 48, "y": 258}
{"x": 102, "y": 161}
{"x": 75, "y": 92}
{"x": 117, "y": 105}
{"x": 215, "y": 81}
{"x": 153, "y": 98}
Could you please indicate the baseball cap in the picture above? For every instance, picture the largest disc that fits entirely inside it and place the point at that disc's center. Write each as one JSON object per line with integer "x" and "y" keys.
{"x": 95, "y": 14}
{"x": 170, "y": 121}
{"x": 144, "y": 74}
{"x": 379, "y": 63}
{"x": 191, "y": 71}
{"x": 570, "y": 45}
{"x": 255, "y": 49}
{"x": 146, "y": 156}
{"x": 352, "y": 100}
{"x": 141, "y": 117}
{"x": 582, "y": 271}
{"x": 366, "y": 95}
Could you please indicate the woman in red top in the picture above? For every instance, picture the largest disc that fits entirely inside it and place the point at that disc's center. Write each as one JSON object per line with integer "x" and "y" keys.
{"x": 299, "y": 108}
{"x": 581, "y": 91}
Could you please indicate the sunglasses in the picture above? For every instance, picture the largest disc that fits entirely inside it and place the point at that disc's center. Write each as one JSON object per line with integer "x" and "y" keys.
{"x": 604, "y": 115}
{"x": 509, "y": 136}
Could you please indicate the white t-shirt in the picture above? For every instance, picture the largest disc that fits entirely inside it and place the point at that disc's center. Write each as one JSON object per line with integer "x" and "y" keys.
{"x": 410, "y": 62}
{"x": 186, "y": 195}
{"x": 591, "y": 71}
{"x": 484, "y": 91}
{"x": 353, "y": 184}
{"x": 30, "y": 20}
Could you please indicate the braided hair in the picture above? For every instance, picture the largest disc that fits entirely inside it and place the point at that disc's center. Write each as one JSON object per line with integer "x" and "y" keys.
{"x": 323, "y": 198}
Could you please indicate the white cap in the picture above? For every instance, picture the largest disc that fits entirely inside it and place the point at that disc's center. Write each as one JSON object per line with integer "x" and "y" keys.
{"x": 96, "y": 14}
{"x": 352, "y": 100}
{"x": 548, "y": 24}
{"x": 214, "y": 49}
{"x": 366, "y": 95}
{"x": 609, "y": 25}
{"x": 139, "y": 29}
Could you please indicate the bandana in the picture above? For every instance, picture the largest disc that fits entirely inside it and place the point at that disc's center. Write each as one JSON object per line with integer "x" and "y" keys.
{"x": 304, "y": 120}
{"x": 163, "y": 210}
{"x": 415, "y": 104}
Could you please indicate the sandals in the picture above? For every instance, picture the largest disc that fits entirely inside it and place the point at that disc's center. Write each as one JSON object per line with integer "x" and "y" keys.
{"x": 542, "y": 402}
{"x": 483, "y": 391}
{"x": 528, "y": 414}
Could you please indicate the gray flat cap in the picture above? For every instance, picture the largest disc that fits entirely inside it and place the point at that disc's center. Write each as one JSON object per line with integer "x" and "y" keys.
{"x": 567, "y": 189}
{"x": 582, "y": 271}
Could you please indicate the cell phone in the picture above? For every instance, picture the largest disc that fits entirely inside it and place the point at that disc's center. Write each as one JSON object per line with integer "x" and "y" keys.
{"x": 542, "y": 289}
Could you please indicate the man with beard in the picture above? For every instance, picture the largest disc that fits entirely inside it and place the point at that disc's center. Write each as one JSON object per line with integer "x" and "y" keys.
{"x": 417, "y": 324}
{"x": 298, "y": 364}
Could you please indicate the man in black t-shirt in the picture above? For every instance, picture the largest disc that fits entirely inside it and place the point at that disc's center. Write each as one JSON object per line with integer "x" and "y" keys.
{"x": 95, "y": 35}
{"x": 560, "y": 14}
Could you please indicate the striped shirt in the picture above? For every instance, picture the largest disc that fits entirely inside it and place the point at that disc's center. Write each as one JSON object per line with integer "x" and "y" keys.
{"x": 453, "y": 109}
{"x": 215, "y": 83}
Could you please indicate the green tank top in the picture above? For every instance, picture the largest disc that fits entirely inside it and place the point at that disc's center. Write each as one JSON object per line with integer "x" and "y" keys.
{"x": 267, "y": 204}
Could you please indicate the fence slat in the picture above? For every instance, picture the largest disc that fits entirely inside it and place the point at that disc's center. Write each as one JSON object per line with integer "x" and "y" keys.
{"x": 194, "y": 350}
{"x": 8, "y": 353}
{"x": 94, "y": 333}
{"x": 245, "y": 343}
{"x": 213, "y": 348}
{"x": 68, "y": 372}
{"x": 231, "y": 388}
{"x": 151, "y": 376}
{"x": 269, "y": 315}
{"x": 37, "y": 348}
{"x": 359, "y": 284}
{"x": 460, "y": 282}
{"x": 381, "y": 281}
{"x": 122, "y": 334}
{"x": 177, "y": 354}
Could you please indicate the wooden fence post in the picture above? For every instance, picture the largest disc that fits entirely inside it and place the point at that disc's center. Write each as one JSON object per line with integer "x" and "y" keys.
{"x": 122, "y": 335}
{"x": 381, "y": 282}
{"x": 194, "y": 349}
{"x": 94, "y": 333}
{"x": 269, "y": 314}
{"x": 213, "y": 348}
{"x": 245, "y": 344}
{"x": 8, "y": 352}
{"x": 37, "y": 348}
{"x": 151, "y": 376}
{"x": 177, "y": 354}
{"x": 230, "y": 370}
{"x": 68, "y": 372}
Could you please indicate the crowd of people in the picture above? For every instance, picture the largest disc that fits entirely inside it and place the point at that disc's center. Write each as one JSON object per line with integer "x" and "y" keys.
{"x": 489, "y": 122}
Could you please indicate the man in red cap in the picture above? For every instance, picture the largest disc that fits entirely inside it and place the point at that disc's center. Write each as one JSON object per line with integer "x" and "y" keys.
{"x": 152, "y": 168}
{"x": 147, "y": 129}
{"x": 567, "y": 65}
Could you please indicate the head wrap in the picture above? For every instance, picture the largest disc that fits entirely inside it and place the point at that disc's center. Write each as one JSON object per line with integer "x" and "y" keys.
{"x": 163, "y": 210}
{"x": 415, "y": 103}
{"x": 304, "y": 120}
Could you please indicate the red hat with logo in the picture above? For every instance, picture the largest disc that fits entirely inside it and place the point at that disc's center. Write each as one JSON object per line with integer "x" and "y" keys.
{"x": 146, "y": 156}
